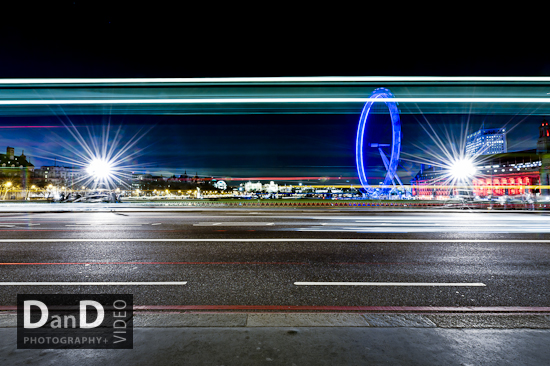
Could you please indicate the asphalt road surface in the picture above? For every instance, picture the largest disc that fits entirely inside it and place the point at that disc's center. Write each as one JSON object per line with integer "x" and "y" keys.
{"x": 281, "y": 259}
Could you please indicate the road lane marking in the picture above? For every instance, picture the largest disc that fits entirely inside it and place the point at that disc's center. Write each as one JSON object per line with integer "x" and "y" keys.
{"x": 407, "y": 230}
{"x": 375, "y": 224}
{"x": 157, "y": 223}
{"x": 96, "y": 225}
{"x": 229, "y": 223}
{"x": 17, "y": 223}
{"x": 248, "y": 240}
{"x": 428, "y": 284}
{"x": 450, "y": 224}
{"x": 92, "y": 283}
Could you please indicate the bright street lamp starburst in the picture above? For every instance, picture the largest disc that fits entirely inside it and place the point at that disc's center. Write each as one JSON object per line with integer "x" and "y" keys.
{"x": 100, "y": 169}
{"x": 462, "y": 169}
{"x": 107, "y": 161}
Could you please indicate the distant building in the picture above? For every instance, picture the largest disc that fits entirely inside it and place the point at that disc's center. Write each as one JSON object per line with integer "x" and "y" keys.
{"x": 543, "y": 150}
{"x": 253, "y": 187}
{"x": 487, "y": 141}
{"x": 543, "y": 143}
{"x": 16, "y": 168}
{"x": 149, "y": 182}
{"x": 499, "y": 174}
{"x": 140, "y": 180}
{"x": 271, "y": 187}
{"x": 61, "y": 176}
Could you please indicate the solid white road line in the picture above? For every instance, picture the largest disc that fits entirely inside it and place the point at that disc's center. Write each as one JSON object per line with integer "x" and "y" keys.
{"x": 376, "y": 224}
{"x": 428, "y": 223}
{"x": 98, "y": 225}
{"x": 404, "y": 230}
{"x": 429, "y": 284}
{"x": 92, "y": 283}
{"x": 248, "y": 240}
{"x": 243, "y": 223}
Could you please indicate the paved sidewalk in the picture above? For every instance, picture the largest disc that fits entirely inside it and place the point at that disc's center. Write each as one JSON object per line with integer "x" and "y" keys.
{"x": 310, "y": 339}
{"x": 302, "y": 346}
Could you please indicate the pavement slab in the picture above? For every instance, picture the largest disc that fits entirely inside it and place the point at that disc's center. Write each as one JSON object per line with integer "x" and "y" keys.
{"x": 289, "y": 319}
{"x": 302, "y": 346}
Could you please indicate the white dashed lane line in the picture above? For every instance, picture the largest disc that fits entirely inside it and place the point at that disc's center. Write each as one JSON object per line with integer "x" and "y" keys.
{"x": 234, "y": 224}
{"x": 427, "y": 284}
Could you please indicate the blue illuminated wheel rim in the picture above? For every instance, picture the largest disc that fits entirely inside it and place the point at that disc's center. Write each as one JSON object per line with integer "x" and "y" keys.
{"x": 396, "y": 138}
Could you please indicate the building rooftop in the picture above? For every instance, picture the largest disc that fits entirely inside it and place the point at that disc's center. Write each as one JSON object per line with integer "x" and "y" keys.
{"x": 14, "y": 160}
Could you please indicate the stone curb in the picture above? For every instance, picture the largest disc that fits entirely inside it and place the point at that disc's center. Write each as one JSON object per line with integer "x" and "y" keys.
{"x": 374, "y": 320}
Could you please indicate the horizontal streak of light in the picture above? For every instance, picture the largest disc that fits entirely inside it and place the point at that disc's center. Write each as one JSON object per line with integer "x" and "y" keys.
{"x": 92, "y": 283}
{"x": 290, "y": 240}
{"x": 340, "y": 185}
{"x": 307, "y": 79}
{"x": 420, "y": 186}
{"x": 267, "y": 100}
{"x": 96, "y": 225}
{"x": 285, "y": 178}
{"x": 377, "y": 223}
{"x": 243, "y": 223}
{"x": 474, "y": 284}
{"x": 407, "y": 230}
{"x": 31, "y": 126}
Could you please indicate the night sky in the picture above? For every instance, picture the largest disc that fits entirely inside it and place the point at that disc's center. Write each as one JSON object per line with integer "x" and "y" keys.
{"x": 99, "y": 39}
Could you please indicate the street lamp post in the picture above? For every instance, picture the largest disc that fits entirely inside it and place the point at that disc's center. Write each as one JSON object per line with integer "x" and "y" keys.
{"x": 7, "y": 186}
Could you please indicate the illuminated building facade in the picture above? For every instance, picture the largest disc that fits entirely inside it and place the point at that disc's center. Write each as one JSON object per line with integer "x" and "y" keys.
{"x": 253, "y": 187}
{"x": 543, "y": 149}
{"x": 487, "y": 141}
{"x": 60, "y": 176}
{"x": 508, "y": 174}
{"x": 498, "y": 174}
{"x": 16, "y": 169}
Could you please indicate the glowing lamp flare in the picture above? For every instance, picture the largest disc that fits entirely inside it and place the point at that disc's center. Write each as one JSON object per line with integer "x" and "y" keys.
{"x": 100, "y": 169}
{"x": 462, "y": 169}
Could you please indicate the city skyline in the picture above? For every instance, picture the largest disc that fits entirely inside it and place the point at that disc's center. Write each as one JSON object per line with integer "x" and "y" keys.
{"x": 182, "y": 143}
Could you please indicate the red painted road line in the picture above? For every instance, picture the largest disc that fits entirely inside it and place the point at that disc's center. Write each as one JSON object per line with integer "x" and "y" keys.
{"x": 132, "y": 263}
{"x": 397, "y": 309}
{"x": 346, "y": 308}
{"x": 89, "y": 229}
{"x": 375, "y": 263}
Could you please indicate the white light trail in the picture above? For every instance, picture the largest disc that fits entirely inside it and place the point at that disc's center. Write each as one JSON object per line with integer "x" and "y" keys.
{"x": 276, "y": 240}
{"x": 266, "y": 100}
{"x": 275, "y": 80}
